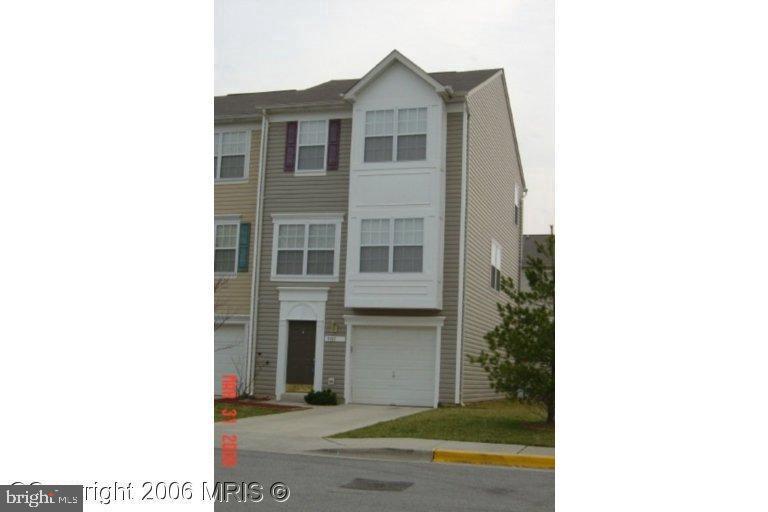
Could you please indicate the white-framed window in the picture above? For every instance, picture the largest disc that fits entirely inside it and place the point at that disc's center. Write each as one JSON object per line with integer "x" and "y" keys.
{"x": 306, "y": 247}
{"x": 495, "y": 265}
{"x": 401, "y": 141}
{"x": 312, "y": 146}
{"x": 227, "y": 236}
{"x": 230, "y": 154}
{"x": 392, "y": 245}
{"x": 517, "y": 204}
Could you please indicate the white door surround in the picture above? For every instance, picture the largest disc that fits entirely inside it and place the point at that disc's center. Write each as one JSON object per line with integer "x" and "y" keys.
{"x": 353, "y": 321}
{"x": 300, "y": 303}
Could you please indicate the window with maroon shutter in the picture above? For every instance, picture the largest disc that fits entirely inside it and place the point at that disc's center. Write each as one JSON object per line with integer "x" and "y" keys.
{"x": 334, "y": 135}
{"x": 291, "y": 130}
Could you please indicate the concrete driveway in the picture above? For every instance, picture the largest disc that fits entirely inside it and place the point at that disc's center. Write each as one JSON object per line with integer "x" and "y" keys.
{"x": 300, "y": 431}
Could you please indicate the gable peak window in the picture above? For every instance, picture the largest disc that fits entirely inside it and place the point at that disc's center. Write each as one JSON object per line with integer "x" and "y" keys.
{"x": 230, "y": 154}
{"x": 312, "y": 141}
{"x": 402, "y": 140}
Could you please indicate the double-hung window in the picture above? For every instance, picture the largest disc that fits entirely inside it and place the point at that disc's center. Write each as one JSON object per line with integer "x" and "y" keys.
{"x": 495, "y": 265}
{"x": 392, "y": 245}
{"x": 306, "y": 249}
{"x": 387, "y": 140}
{"x": 230, "y": 155}
{"x": 226, "y": 247}
{"x": 312, "y": 141}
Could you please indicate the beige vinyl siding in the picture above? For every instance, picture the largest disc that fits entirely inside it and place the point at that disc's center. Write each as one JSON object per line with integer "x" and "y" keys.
{"x": 234, "y": 296}
{"x": 492, "y": 172}
{"x": 289, "y": 193}
{"x": 451, "y": 255}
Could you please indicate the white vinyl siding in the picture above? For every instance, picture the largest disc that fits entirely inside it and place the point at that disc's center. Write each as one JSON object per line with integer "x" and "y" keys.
{"x": 312, "y": 142}
{"x": 230, "y": 155}
{"x": 381, "y": 145}
{"x": 226, "y": 247}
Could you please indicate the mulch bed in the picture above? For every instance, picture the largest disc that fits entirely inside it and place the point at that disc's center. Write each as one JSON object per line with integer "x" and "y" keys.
{"x": 259, "y": 402}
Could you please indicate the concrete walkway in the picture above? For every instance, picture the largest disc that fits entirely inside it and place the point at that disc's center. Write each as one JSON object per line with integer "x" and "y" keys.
{"x": 308, "y": 432}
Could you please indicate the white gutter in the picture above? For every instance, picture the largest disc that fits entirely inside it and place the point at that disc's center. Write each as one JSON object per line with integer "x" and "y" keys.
{"x": 462, "y": 250}
{"x": 257, "y": 253}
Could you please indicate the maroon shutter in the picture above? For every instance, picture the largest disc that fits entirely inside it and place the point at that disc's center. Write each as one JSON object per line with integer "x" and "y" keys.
{"x": 291, "y": 130}
{"x": 334, "y": 135}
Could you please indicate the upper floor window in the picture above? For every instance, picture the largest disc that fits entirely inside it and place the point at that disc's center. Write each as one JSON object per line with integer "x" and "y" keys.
{"x": 312, "y": 140}
{"x": 517, "y": 204}
{"x": 495, "y": 265}
{"x": 226, "y": 246}
{"x": 387, "y": 246}
{"x": 306, "y": 248}
{"x": 230, "y": 155}
{"x": 387, "y": 141}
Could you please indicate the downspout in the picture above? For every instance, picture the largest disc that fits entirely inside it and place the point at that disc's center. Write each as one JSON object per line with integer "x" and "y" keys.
{"x": 521, "y": 256}
{"x": 257, "y": 252}
{"x": 462, "y": 252}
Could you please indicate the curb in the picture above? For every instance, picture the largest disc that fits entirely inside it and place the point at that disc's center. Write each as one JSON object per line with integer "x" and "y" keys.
{"x": 495, "y": 459}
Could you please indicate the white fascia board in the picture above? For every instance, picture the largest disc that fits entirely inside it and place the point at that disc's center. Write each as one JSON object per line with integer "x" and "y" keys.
{"x": 405, "y": 61}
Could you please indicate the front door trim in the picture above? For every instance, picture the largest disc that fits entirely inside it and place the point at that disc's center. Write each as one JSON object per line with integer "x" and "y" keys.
{"x": 300, "y": 303}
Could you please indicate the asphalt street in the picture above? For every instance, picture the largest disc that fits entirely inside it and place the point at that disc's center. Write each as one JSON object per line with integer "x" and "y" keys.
{"x": 319, "y": 483}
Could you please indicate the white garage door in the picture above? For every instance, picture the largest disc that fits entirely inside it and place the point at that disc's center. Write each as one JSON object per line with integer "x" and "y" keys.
{"x": 229, "y": 353}
{"x": 393, "y": 365}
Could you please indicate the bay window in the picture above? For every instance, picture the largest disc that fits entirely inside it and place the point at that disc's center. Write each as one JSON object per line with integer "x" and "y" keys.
{"x": 392, "y": 245}
{"x": 387, "y": 141}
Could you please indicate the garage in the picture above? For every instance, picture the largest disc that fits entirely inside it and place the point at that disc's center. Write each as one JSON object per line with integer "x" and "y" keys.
{"x": 230, "y": 353}
{"x": 393, "y": 365}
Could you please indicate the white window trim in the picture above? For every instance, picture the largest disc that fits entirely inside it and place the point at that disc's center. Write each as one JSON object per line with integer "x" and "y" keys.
{"x": 306, "y": 219}
{"x": 248, "y": 135}
{"x": 229, "y": 220}
{"x": 496, "y": 246}
{"x": 395, "y": 133}
{"x": 392, "y": 245}
{"x": 311, "y": 172}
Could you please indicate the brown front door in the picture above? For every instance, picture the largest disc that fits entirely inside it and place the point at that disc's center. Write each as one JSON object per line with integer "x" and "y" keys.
{"x": 300, "y": 374}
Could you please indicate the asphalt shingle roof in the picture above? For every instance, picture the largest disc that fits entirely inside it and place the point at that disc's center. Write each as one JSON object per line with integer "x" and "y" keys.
{"x": 252, "y": 103}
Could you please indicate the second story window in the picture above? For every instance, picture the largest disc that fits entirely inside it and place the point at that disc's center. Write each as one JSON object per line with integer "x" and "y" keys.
{"x": 495, "y": 265}
{"x": 387, "y": 141}
{"x": 517, "y": 204}
{"x": 306, "y": 249}
{"x": 392, "y": 245}
{"x": 230, "y": 155}
{"x": 225, "y": 255}
{"x": 313, "y": 136}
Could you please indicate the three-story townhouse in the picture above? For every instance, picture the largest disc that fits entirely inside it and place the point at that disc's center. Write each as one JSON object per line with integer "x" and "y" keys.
{"x": 385, "y": 209}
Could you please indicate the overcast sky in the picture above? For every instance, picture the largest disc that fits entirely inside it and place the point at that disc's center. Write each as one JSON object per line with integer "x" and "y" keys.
{"x": 294, "y": 44}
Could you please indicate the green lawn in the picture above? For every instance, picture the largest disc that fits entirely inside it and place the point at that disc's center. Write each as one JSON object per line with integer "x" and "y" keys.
{"x": 499, "y": 421}
{"x": 243, "y": 411}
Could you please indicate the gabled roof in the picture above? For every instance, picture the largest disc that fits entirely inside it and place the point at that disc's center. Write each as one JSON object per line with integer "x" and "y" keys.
{"x": 331, "y": 93}
{"x": 396, "y": 56}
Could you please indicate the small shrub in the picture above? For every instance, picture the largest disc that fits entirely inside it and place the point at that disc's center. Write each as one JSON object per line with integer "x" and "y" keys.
{"x": 324, "y": 397}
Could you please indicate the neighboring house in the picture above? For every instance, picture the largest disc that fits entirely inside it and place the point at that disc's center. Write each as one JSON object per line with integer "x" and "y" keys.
{"x": 530, "y": 249}
{"x": 385, "y": 209}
